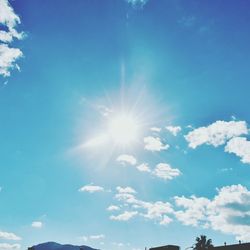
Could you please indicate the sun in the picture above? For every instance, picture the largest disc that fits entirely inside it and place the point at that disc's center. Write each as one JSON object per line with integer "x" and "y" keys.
{"x": 123, "y": 129}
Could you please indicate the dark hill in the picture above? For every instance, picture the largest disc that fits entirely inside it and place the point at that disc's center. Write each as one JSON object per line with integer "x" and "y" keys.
{"x": 57, "y": 246}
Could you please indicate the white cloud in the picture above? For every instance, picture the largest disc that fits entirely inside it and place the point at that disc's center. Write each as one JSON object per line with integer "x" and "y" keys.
{"x": 7, "y": 246}
{"x": 194, "y": 210}
{"x": 9, "y": 236}
{"x": 165, "y": 171}
{"x": 217, "y": 133}
{"x": 91, "y": 189}
{"x": 143, "y": 167}
{"x": 155, "y": 129}
{"x": 127, "y": 159}
{"x": 7, "y": 15}
{"x": 8, "y": 55}
{"x": 228, "y": 212}
{"x": 127, "y": 215}
{"x": 113, "y": 208}
{"x": 239, "y": 146}
{"x": 158, "y": 210}
{"x": 127, "y": 190}
{"x": 37, "y": 224}
{"x": 174, "y": 129}
{"x": 154, "y": 144}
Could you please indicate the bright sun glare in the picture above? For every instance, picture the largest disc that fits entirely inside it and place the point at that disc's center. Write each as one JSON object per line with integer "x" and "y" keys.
{"x": 123, "y": 129}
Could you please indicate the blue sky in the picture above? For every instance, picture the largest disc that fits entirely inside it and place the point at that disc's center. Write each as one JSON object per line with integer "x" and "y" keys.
{"x": 124, "y": 124}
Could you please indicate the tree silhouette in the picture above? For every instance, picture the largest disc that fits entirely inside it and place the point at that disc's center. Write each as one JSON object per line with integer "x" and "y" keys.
{"x": 202, "y": 243}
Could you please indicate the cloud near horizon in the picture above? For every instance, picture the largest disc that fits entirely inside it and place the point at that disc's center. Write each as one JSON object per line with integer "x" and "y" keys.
{"x": 7, "y": 246}
{"x": 228, "y": 212}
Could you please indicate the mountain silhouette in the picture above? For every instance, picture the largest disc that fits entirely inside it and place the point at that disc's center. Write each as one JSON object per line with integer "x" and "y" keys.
{"x": 57, "y": 246}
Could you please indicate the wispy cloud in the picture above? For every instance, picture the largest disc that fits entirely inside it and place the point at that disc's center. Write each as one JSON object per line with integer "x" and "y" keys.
{"x": 113, "y": 208}
{"x": 91, "y": 189}
{"x": 125, "y": 216}
{"x": 8, "y": 55}
{"x": 128, "y": 190}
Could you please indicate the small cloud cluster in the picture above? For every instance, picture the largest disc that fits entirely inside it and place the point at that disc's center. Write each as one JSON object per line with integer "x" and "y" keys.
{"x": 154, "y": 143}
{"x": 8, "y": 55}
{"x": 156, "y": 211}
{"x": 162, "y": 170}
